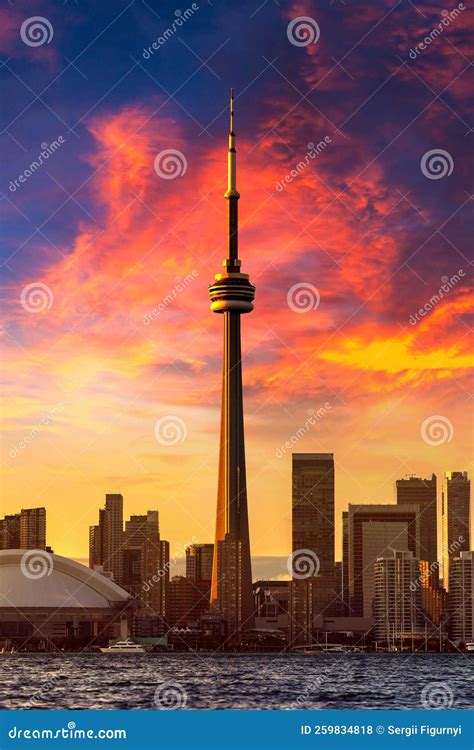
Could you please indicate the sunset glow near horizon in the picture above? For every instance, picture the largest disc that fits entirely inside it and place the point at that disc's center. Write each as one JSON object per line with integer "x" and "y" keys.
{"x": 342, "y": 210}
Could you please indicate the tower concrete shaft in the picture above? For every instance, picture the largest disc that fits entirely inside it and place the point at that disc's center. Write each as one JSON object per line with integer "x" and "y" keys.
{"x": 231, "y": 295}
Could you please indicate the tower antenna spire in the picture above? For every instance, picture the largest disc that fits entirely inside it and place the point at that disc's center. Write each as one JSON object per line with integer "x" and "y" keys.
{"x": 232, "y": 194}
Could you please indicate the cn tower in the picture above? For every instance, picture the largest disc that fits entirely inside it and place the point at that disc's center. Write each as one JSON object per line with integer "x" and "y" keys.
{"x": 231, "y": 295}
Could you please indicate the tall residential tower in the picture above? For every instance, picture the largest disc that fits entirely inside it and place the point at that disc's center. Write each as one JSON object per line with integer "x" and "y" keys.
{"x": 232, "y": 295}
{"x": 456, "y": 501}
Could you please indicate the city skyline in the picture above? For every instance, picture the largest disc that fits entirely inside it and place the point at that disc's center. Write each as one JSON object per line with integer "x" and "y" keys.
{"x": 125, "y": 340}
{"x": 386, "y": 589}
{"x": 304, "y": 534}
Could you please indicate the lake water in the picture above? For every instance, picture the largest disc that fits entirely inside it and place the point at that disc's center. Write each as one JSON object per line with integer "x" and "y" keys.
{"x": 240, "y": 681}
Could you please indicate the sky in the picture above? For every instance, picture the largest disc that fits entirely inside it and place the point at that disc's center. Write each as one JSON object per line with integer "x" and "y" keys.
{"x": 353, "y": 138}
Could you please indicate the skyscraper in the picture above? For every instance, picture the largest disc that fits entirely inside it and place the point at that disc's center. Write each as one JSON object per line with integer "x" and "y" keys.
{"x": 10, "y": 532}
{"x": 455, "y": 518}
{"x": 313, "y": 518}
{"x": 155, "y": 560}
{"x": 113, "y": 536}
{"x": 137, "y": 529}
{"x": 96, "y": 542}
{"x": 312, "y": 591}
{"x": 397, "y": 597}
{"x": 232, "y": 295}
{"x": 423, "y": 492}
{"x": 199, "y": 562}
{"x": 461, "y": 596}
{"x": 33, "y": 528}
{"x": 372, "y": 531}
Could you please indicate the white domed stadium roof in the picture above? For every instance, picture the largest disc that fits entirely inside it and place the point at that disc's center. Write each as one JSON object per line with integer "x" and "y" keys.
{"x": 36, "y": 578}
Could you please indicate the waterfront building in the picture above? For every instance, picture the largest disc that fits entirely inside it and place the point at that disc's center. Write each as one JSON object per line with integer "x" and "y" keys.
{"x": 271, "y": 603}
{"x": 456, "y": 501}
{"x": 345, "y": 590}
{"x": 372, "y": 530}
{"x": 397, "y": 599}
{"x": 231, "y": 296}
{"x": 461, "y": 597}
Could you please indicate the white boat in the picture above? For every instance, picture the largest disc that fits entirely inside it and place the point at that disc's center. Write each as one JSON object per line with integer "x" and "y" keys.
{"x": 470, "y": 647}
{"x": 124, "y": 647}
